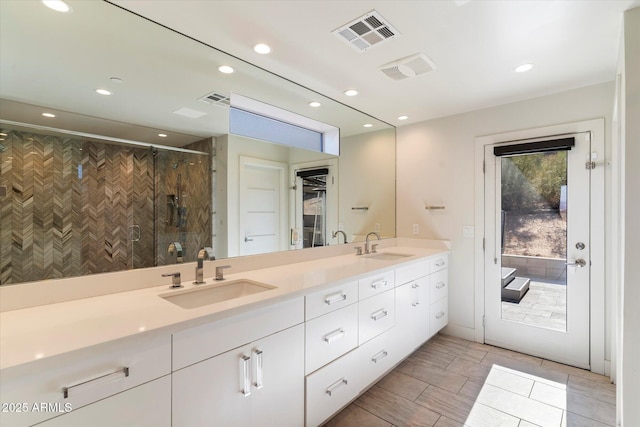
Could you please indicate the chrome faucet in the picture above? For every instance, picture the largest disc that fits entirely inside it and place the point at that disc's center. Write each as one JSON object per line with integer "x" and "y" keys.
{"x": 204, "y": 253}
{"x": 175, "y": 248}
{"x": 366, "y": 242}
{"x": 335, "y": 233}
{"x": 175, "y": 281}
{"x": 220, "y": 271}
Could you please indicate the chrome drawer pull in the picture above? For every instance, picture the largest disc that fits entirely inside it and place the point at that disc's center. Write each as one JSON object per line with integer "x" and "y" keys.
{"x": 246, "y": 375}
{"x": 379, "y": 314}
{"x": 379, "y": 284}
{"x": 333, "y": 336}
{"x": 440, "y": 285}
{"x": 440, "y": 315}
{"x": 334, "y": 298}
{"x": 101, "y": 379}
{"x": 439, "y": 263}
{"x": 379, "y": 356}
{"x": 333, "y": 387}
{"x": 258, "y": 382}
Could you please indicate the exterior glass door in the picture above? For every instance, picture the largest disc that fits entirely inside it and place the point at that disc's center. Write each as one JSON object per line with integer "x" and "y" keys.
{"x": 537, "y": 263}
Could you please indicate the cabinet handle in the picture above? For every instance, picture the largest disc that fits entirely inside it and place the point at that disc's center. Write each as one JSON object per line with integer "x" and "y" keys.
{"x": 246, "y": 374}
{"x": 333, "y": 336}
{"x": 377, "y": 315}
{"x": 333, "y": 387}
{"x": 440, "y": 285}
{"x": 415, "y": 304}
{"x": 258, "y": 382}
{"x": 112, "y": 376}
{"x": 415, "y": 286}
{"x": 440, "y": 315}
{"x": 439, "y": 263}
{"x": 334, "y": 298}
{"x": 379, "y": 356}
{"x": 379, "y": 284}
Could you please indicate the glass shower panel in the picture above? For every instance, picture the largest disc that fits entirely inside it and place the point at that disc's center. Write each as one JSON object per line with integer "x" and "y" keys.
{"x": 183, "y": 206}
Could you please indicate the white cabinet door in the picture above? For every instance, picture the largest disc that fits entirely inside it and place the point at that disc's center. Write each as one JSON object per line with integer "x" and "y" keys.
{"x": 148, "y": 405}
{"x": 211, "y": 392}
{"x": 412, "y": 319}
{"x": 259, "y": 384}
{"x": 277, "y": 398}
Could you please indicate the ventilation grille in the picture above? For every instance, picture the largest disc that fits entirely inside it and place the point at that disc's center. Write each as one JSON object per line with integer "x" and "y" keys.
{"x": 366, "y": 32}
{"x": 409, "y": 66}
{"x": 215, "y": 98}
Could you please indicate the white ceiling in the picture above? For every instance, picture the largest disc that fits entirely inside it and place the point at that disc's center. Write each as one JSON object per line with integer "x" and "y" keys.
{"x": 474, "y": 44}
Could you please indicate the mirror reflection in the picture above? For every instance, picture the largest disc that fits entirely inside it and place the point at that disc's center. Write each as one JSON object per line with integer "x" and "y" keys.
{"x": 149, "y": 174}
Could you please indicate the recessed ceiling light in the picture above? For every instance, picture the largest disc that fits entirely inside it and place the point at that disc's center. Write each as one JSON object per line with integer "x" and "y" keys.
{"x": 103, "y": 92}
{"x": 314, "y": 104}
{"x": 226, "y": 69}
{"x": 48, "y": 114}
{"x": 403, "y": 117}
{"x": 57, "y": 5}
{"x": 351, "y": 92}
{"x": 522, "y": 68}
{"x": 162, "y": 135}
{"x": 262, "y": 48}
{"x": 367, "y": 125}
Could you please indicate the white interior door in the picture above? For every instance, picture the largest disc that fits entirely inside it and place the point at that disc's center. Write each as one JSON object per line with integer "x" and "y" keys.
{"x": 263, "y": 206}
{"x": 552, "y": 319}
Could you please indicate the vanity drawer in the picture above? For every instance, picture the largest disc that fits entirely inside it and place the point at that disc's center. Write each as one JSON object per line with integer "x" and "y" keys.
{"x": 412, "y": 272}
{"x": 376, "y": 284}
{"x": 439, "y": 263}
{"x": 376, "y": 357}
{"x": 439, "y": 285}
{"x": 439, "y": 315}
{"x": 376, "y": 315}
{"x": 330, "y": 336}
{"x": 84, "y": 376}
{"x": 202, "y": 342}
{"x": 330, "y": 388}
{"x": 328, "y": 300}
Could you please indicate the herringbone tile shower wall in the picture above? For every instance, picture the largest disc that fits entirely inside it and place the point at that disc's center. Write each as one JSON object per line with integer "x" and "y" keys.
{"x": 70, "y": 204}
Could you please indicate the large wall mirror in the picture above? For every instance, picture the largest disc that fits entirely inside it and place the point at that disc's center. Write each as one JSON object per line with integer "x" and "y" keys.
{"x": 146, "y": 173}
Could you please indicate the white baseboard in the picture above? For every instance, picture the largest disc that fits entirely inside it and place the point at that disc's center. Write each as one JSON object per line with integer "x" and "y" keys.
{"x": 459, "y": 331}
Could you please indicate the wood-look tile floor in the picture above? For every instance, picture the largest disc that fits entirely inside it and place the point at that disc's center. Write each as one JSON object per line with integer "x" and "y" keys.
{"x": 453, "y": 382}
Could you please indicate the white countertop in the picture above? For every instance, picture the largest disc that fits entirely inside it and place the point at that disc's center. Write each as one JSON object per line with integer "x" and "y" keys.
{"x": 40, "y": 332}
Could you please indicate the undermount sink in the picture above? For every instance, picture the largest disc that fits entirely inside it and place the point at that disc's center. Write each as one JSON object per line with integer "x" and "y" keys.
{"x": 219, "y": 292}
{"x": 387, "y": 256}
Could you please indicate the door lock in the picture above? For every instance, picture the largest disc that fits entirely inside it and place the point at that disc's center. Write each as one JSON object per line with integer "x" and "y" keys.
{"x": 579, "y": 262}
{"x": 580, "y": 246}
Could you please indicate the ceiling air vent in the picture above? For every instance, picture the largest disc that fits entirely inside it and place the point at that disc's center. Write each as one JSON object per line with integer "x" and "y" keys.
{"x": 366, "y": 32}
{"x": 215, "y": 98}
{"x": 410, "y": 66}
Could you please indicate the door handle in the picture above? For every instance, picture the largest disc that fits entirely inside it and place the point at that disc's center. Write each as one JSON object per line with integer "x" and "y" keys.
{"x": 579, "y": 262}
{"x": 134, "y": 233}
{"x": 246, "y": 239}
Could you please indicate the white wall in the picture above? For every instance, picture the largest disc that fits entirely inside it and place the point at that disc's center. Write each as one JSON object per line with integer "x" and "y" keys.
{"x": 629, "y": 387}
{"x": 435, "y": 165}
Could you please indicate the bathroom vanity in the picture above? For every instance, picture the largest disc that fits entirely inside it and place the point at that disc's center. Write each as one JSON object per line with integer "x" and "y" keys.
{"x": 295, "y": 350}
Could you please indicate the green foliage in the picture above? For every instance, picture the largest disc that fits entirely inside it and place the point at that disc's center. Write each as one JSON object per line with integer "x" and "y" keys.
{"x": 532, "y": 182}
